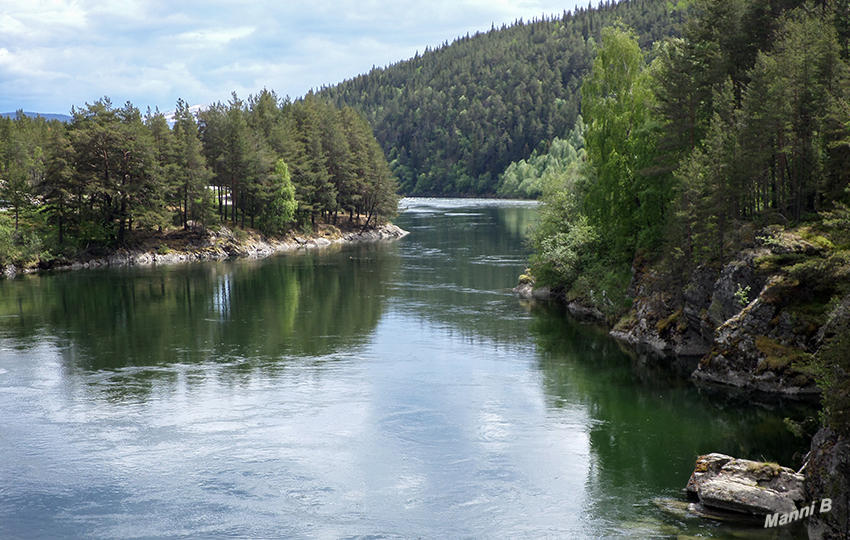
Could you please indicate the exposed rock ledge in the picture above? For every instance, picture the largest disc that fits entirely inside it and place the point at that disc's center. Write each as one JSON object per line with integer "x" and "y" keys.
{"x": 721, "y": 482}
{"x": 734, "y": 318}
{"x": 526, "y": 291}
{"x": 223, "y": 244}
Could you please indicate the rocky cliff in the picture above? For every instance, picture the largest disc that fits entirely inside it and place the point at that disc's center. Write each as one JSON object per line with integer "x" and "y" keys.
{"x": 776, "y": 319}
{"x": 753, "y": 321}
{"x": 828, "y": 477}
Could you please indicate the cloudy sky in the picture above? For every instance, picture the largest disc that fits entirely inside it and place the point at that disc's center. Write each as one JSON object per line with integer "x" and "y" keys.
{"x": 59, "y": 53}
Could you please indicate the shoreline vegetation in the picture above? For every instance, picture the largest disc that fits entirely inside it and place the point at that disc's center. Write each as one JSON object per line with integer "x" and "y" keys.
{"x": 707, "y": 214}
{"x": 195, "y": 245}
{"x": 113, "y": 179}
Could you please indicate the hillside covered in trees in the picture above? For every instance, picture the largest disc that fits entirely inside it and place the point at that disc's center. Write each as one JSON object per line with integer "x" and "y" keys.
{"x": 710, "y": 215}
{"x": 712, "y": 211}
{"x": 263, "y": 163}
{"x": 723, "y": 127}
{"x": 452, "y": 119}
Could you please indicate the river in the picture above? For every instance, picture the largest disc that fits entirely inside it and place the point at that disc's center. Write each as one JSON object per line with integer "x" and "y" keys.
{"x": 396, "y": 390}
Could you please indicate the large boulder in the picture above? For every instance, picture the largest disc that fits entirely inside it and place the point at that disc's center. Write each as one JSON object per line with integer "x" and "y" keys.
{"x": 745, "y": 486}
{"x": 828, "y": 477}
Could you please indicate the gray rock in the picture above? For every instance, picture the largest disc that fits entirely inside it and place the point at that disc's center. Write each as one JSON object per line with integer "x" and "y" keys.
{"x": 741, "y": 485}
{"x": 582, "y": 312}
{"x": 781, "y": 242}
{"x": 737, "y": 496}
{"x": 384, "y": 232}
{"x": 726, "y": 301}
{"x": 741, "y": 349}
{"x": 526, "y": 291}
{"x": 208, "y": 250}
{"x": 828, "y": 477}
{"x": 698, "y": 295}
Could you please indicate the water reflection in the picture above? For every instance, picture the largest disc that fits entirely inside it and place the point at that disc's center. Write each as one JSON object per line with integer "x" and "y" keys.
{"x": 648, "y": 423}
{"x": 383, "y": 391}
{"x": 247, "y": 314}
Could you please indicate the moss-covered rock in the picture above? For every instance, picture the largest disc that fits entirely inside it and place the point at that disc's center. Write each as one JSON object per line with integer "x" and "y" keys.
{"x": 833, "y": 358}
{"x": 828, "y": 477}
{"x": 758, "y": 349}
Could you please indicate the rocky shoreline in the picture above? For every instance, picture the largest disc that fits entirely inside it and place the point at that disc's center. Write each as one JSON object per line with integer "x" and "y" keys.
{"x": 751, "y": 326}
{"x": 735, "y": 319}
{"x": 217, "y": 245}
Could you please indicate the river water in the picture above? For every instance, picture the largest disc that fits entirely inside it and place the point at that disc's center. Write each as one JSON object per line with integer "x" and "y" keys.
{"x": 386, "y": 391}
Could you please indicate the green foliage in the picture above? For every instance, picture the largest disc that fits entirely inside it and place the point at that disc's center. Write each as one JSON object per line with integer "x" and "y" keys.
{"x": 527, "y": 179}
{"x": 19, "y": 247}
{"x": 756, "y": 114}
{"x": 111, "y": 173}
{"x": 115, "y": 176}
{"x": 451, "y": 120}
{"x": 561, "y": 254}
{"x": 279, "y": 212}
{"x": 743, "y": 295}
{"x": 563, "y": 240}
{"x": 603, "y": 285}
{"x": 330, "y": 155}
{"x": 837, "y": 222}
{"x": 704, "y": 210}
{"x": 624, "y": 200}
{"x": 189, "y": 173}
{"x": 741, "y": 122}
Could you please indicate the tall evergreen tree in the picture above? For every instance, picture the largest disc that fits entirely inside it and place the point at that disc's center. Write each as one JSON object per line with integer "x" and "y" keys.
{"x": 192, "y": 173}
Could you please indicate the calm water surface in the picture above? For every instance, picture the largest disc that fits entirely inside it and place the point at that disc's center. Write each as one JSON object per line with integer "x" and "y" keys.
{"x": 388, "y": 391}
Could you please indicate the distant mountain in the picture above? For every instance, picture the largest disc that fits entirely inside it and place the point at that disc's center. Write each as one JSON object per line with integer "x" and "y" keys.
{"x": 453, "y": 118}
{"x": 46, "y": 116}
{"x": 194, "y": 109}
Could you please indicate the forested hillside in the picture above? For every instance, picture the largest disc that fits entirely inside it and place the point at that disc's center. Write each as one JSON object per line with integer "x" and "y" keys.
{"x": 264, "y": 163}
{"x": 718, "y": 166}
{"x": 723, "y": 127}
{"x": 452, "y": 119}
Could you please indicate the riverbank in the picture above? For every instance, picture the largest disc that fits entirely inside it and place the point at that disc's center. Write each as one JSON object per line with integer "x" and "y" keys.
{"x": 757, "y": 322}
{"x": 773, "y": 319}
{"x": 192, "y": 245}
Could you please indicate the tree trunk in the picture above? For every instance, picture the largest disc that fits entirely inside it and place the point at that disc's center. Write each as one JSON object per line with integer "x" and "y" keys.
{"x": 185, "y": 207}
{"x": 122, "y": 222}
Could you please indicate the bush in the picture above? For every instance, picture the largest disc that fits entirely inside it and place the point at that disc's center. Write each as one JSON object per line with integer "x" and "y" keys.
{"x": 240, "y": 235}
{"x": 603, "y": 286}
{"x": 21, "y": 248}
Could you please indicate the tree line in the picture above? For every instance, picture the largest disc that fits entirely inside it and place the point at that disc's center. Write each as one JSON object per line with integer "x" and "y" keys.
{"x": 717, "y": 141}
{"x": 266, "y": 163}
{"x": 723, "y": 126}
{"x": 452, "y": 119}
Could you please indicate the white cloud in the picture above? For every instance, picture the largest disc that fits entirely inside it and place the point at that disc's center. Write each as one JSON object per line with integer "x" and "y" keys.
{"x": 41, "y": 19}
{"x": 11, "y": 25}
{"x": 216, "y": 37}
{"x": 58, "y": 53}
